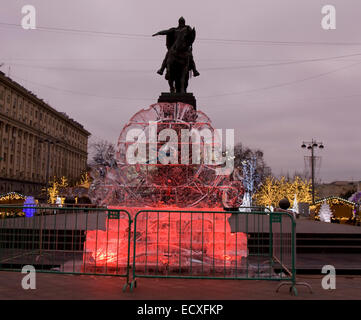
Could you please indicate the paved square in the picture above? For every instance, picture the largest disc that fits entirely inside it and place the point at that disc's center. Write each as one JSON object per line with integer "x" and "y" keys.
{"x": 60, "y": 286}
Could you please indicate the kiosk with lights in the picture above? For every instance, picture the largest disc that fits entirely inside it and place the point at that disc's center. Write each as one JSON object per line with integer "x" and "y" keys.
{"x": 12, "y": 199}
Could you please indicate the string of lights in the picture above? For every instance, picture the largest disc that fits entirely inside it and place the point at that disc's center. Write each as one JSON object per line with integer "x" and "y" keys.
{"x": 12, "y": 196}
{"x": 336, "y": 200}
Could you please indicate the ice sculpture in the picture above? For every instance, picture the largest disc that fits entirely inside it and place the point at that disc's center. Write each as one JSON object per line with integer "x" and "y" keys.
{"x": 166, "y": 240}
{"x": 159, "y": 185}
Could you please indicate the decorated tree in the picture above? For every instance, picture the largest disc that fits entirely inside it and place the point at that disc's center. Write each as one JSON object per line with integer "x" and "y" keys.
{"x": 325, "y": 213}
{"x": 268, "y": 194}
{"x": 261, "y": 170}
{"x": 246, "y": 203}
{"x": 60, "y": 187}
{"x": 84, "y": 180}
{"x": 295, "y": 205}
{"x": 54, "y": 188}
{"x": 52, "y": 191}
{"x": 273, "y": 190}
{"x": 251, "y": 167}
{"x": 63, "y": 182}
{"x": 301, "y": 189}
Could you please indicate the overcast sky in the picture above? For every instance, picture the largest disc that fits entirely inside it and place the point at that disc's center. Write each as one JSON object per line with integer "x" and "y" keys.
{"x": 250, "y": 55}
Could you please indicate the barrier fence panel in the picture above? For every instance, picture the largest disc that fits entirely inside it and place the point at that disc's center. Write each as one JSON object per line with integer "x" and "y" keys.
{"x": 210, "y": 245}
{"x": 283, "y": 241}
{"x": 65, "y": 240}
{"x": 195, "y": 244}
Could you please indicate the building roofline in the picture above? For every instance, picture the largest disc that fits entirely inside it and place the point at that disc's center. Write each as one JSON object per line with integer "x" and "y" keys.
{"x": 41, "y": 102}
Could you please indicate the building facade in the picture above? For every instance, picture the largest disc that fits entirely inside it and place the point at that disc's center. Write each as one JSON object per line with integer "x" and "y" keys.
{"x": 36, "y": 141}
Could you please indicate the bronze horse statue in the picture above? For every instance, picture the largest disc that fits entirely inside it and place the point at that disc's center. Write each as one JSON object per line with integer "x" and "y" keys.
{"x": 179, "y": 59}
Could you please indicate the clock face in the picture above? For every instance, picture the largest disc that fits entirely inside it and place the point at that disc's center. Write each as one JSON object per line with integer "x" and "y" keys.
{"x": 166, "y": 155}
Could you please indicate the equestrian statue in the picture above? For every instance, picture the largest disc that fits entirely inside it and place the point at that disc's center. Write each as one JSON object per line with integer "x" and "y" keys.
{"x": 178, "y": 61}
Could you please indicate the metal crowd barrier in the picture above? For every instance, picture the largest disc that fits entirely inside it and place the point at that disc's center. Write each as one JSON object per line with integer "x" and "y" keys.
{"x": 92, "y": 241}
{"x": 192, "y": 244}
{"x": 234, "y": 245}
{"x": 283, "y": 241}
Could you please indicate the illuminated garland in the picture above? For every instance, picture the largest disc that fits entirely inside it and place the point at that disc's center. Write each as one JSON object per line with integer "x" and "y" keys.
{"x": 12, "y": 196}
{"x": 335, "y": 201}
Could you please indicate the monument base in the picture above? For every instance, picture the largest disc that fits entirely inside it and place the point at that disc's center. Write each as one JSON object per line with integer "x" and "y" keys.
{"x": 187, "y": 98}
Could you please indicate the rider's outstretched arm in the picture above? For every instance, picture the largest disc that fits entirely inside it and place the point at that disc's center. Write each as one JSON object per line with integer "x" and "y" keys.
{"x": 163, "y": 32}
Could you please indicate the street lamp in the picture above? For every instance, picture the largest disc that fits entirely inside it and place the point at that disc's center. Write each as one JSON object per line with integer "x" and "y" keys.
{"x": 311, "y": 145}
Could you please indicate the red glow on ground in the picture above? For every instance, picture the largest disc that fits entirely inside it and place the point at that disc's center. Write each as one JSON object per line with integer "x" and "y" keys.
{"x": 168, "y": 241}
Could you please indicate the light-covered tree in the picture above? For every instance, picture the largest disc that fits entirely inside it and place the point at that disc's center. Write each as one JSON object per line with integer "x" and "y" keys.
{"x": 241, "y": 154}
{"x": 268, "y": 194}
{"x": 295, "y": 205}
{"x": 325, "y": 213}
{"x": 52, "y": 191}
{"x": 246, "y": 203}
{"x": 54, "y": 188}
{"x": 63, "y": 182}
{"x": 273, "y": 190}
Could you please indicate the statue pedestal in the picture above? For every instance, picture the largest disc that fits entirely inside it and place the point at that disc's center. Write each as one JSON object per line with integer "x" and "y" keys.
{"x": 187, "y": 98}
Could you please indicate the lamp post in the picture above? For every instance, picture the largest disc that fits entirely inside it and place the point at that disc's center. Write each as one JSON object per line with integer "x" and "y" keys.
{"x": 311, "y": 145}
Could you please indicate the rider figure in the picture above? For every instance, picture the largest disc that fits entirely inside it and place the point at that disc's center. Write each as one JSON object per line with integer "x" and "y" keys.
{"x": 170, "y": 40}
